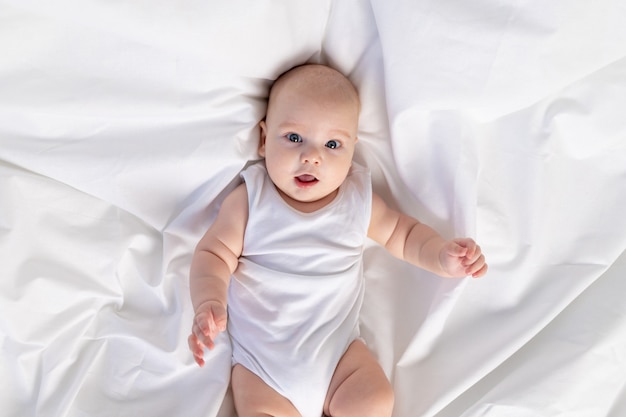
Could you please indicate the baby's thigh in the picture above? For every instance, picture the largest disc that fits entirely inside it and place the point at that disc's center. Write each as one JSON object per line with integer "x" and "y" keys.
{"x": 359, "y": 386}
{"x": 254, "y": 398}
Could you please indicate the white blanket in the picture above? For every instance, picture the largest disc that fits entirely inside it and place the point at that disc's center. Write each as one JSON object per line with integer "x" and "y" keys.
{"x": 123, "y": 125}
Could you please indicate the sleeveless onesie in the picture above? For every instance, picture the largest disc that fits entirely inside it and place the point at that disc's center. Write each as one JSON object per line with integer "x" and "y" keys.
{"x": 294, "y": 300}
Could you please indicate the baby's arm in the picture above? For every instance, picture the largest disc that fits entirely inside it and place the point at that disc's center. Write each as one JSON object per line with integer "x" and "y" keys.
{"x": 216, "y": 257}
{"x": 406, "y": 238}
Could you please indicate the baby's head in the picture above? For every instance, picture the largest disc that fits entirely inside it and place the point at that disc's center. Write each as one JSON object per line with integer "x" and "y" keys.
{"x": 309, "y": 134}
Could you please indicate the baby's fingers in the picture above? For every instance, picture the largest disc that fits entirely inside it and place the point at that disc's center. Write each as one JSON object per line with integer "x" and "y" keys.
{"x": 196, "y": 349}
{"x": 473, "y": 254}
{"x": 478, "y": 268}
{"x": 204, "y": 323}
{"x": 202, "y": 338}
{"x": 481, "y": 272}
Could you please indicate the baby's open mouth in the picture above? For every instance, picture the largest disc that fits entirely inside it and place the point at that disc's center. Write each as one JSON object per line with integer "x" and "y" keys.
{"x": 305, "y": 180}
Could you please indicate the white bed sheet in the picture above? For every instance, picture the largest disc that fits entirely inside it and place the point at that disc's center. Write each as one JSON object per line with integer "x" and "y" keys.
{"x": 123, "y": 124}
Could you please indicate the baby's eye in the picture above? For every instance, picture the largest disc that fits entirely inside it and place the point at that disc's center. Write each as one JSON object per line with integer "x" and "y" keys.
{"x": 294, "y": 137}
{"x": 333, "y": 144}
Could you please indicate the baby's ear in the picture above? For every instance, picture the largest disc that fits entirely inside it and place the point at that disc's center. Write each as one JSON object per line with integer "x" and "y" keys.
{"x": 262, "y": 138}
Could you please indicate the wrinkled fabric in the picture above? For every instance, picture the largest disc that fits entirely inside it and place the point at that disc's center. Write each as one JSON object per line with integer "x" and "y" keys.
{"x": 124, "y": 125}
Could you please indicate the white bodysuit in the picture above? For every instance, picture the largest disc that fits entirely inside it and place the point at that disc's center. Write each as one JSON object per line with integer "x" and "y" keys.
{"x": 294, "y": 300}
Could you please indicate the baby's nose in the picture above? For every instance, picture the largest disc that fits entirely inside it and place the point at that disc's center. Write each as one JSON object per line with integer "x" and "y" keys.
{"x": 311, "y": 156}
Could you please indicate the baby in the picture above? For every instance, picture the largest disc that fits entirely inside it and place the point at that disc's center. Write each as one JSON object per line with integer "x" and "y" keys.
{"x": 283, "y": 257}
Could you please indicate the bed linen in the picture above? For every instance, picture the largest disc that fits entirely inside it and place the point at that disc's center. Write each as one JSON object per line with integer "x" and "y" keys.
{"x": 124, "y": 124}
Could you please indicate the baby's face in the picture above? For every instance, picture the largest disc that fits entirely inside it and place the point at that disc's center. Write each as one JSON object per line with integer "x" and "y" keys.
{"x": 308, "y": 141}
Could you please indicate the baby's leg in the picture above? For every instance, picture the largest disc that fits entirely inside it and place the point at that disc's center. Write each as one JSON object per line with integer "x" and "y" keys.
{"x": 254, "y": 398}
{"x": 359, "y": 387}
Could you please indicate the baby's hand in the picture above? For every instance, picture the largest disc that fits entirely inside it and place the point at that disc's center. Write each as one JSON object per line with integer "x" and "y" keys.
{"x": 210, "y": 320}
{"x": 462, "y": 257}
